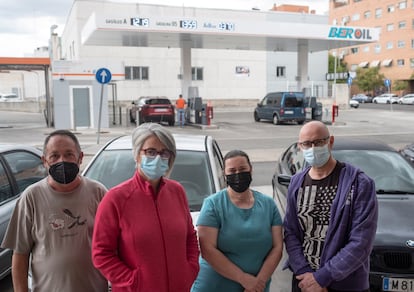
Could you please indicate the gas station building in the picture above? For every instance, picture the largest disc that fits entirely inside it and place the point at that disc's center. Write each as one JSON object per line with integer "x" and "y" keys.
{"x": 223, "y": 56}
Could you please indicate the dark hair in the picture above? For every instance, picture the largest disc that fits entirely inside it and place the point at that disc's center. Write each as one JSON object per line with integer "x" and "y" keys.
{"x": 66, "y": 133}
{"x": 235, "y": 153}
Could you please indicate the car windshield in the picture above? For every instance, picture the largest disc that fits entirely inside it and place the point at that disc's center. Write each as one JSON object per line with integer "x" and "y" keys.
{"x": 158, "y": 101}
{"x": 390, "y": 171}
{"x": 191, "y": 169}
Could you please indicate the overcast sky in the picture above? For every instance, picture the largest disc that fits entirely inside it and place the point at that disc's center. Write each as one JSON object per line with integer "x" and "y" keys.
{"x": 25, "y": 24}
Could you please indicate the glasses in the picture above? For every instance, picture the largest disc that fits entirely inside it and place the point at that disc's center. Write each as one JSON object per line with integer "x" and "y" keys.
{"x": 316, "y": 143}
{"x": 152, "y": 153}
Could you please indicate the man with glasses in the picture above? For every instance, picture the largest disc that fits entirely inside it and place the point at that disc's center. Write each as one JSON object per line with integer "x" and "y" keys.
{"x": 331, "y": 219}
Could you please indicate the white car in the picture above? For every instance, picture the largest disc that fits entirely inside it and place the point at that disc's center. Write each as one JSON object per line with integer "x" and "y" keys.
{"x": 386, "y": 98}
{"x": 198, "y": 166}
{"x": 353, "y": 103}
{"x": 407, "y": 99}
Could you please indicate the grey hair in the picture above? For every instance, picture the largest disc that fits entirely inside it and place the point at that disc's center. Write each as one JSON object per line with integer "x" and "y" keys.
{"x": 146, "y": 130}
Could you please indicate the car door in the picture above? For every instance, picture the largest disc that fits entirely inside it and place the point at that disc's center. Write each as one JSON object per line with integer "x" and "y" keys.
{"x": 293, "y": 104}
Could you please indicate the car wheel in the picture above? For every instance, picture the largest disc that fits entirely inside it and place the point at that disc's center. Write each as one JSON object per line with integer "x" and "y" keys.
{"x": 131, "y": 118}
{"x": 375, "y": 101}
{"x": 171, "y": 123}
{"x": 275, "y": 120}
{"x": 256, "y": 117}
{"x": 140, "y": 119}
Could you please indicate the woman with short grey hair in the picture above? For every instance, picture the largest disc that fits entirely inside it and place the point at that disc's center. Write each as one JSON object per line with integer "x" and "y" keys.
{"x": 144, "y": 238}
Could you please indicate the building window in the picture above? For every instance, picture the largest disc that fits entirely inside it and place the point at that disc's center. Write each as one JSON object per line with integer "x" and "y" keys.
{"x": 366, "y": 49}
{"x": 390, "y": 26}
{"x": 389, "y": 45}
{"x": 136, "y": 73}
{"x": 402, "y": 5}
{"x": 412, "y": 21}
{"x": 354, "y": 50}
{"x": 402, "y": 24}
{"x": 367, "y": 14}
{"x": 377, "y": 48}
{"x": 197, "y": 73}
{"x": 390, "y": 8}
{"x": 378, "y": 13}
{"x": 400, "y": 62}
{"x": 412, "y": 43}
{"x": 280, "y": 71}
{"x": 412, "y": 62}
{"x": 355, "y": 17}
{"x": 401, "y": 44}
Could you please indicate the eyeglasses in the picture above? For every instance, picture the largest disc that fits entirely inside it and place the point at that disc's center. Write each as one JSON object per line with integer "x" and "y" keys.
{"x": 152, "y": 153}
{"x": 316, "y": 143}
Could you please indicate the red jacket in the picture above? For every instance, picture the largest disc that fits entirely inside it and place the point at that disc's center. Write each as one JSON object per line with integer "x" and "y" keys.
{"x": 144, "y": 241}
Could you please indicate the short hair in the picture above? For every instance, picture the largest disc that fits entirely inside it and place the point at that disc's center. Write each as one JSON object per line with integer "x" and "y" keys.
{"x": 146, "y": 130}
{"x": 66, "y": 133}
{"x": 235, "y": 153}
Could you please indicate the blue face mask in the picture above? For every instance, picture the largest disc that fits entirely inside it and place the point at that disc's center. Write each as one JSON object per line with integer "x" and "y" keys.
{"x": 154, "y": 168}
{"x": 317, "y": 156}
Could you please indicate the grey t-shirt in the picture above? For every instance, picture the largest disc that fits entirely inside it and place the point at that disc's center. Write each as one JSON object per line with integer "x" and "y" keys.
{"x": 56, "y": 229}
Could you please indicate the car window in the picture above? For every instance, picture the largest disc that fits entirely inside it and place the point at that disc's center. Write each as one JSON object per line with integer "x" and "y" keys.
{"x": 389, "y": 170}
{"x": 191, "y": 169}
{"x": 293, "y": 101}
{"x": 293, "y": 158}
{"x": 26, "y": 167}
{"x": 218, "y": 158}
{"x": 5, "y": 187}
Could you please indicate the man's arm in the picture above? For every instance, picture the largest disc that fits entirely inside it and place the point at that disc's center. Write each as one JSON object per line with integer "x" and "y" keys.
{"x": 20, "y": 270}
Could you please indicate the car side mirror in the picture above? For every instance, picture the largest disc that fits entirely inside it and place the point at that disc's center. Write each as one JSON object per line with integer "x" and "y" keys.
{"x": 259, "y": 104}
{"x": 284, "y": 179}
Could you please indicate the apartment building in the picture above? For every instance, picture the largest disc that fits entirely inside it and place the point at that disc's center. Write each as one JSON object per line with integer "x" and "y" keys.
{"x": 394, "y": 52}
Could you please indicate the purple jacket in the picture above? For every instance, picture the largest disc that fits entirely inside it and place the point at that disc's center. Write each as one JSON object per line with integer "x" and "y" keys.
{"x": 345, "y": 256}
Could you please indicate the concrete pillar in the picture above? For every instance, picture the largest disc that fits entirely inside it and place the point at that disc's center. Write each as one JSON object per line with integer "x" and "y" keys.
{"x": 185, "y": 67}
{"x": 302, "y": 71}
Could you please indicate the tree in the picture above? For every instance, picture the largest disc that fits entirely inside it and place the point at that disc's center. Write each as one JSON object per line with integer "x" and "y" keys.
{"x": 369, "y": 79}
{"x": 340, "y": 66}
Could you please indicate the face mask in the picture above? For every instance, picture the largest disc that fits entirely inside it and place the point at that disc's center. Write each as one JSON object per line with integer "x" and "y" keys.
{"x": 154, "y": 168}
{"x": 317, "y": 156}
{"x": 64, "y": 172}
{"x": 239, "y": 182}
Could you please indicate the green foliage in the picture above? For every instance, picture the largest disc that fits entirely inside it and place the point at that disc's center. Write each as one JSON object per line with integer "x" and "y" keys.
{"x": 400, "y": 85}
{"x": 369, "y": 79}
{"x": 340, "y": 67}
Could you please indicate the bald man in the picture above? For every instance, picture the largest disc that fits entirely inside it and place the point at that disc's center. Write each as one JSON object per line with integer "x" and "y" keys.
{"x": 331, "y": 219}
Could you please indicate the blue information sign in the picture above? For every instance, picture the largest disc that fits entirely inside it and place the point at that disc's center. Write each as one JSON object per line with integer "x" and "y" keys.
{"x": 103, "y": 75}
{"x": 349, "y": 81}
{"x": 387, "y": 83}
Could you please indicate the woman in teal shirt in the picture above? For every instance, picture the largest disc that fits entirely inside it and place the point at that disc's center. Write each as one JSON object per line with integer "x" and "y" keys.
{"x": 240, "y": 234}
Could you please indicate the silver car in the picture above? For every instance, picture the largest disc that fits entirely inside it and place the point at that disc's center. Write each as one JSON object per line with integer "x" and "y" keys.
{"x": 198, "y": 166}
{"x": 20, "y": 166}
{"x": 406, "y": 99}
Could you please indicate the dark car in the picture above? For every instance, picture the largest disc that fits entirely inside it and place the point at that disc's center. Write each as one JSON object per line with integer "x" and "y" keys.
{"x": 392, "y": 258}
{"x": 20, "y": 166}
{"x": 198, "y": 166}
{"x": 280, "y": 107}
{"x": 362, "y": 98}
{"x": 156, "y": 109}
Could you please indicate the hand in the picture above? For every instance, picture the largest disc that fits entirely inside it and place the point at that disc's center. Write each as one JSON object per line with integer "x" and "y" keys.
{"x": 252, "y": 284}
{"x": 307, "y": 283}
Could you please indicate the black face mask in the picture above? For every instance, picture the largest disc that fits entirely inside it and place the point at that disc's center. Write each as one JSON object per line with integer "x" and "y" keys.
{"x": 239, "y": 182}
{"x": 64, "y": 172}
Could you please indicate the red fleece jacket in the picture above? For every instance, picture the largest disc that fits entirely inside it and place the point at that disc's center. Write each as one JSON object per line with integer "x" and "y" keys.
{"x": 144, "y": 241}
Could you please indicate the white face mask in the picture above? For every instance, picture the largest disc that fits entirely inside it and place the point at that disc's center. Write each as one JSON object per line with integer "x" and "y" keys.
{"x": 317, "y": 156}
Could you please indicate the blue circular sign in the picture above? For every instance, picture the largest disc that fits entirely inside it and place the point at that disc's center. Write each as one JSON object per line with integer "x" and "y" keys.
{"x": 387, "y": 82}
{"x": 349, "y": 80}
{"x": 103, "y": 75}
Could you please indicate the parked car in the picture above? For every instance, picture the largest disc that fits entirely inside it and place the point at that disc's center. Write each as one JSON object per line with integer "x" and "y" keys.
{"x": 353, "y": 103}
{"x": 406, "y": 99}
{"x": 393, "y": 253}
{"x": 9, "y": 97}
{"x": 20, "y": 166}
{"x": 152, "y": 109}
{"x": 386, "y": 98}
{"x": 198, "y": 166}
{"x": 408, "y": 152}
{"x": 362, "y": 98}
{"x": 280, "y": 107}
